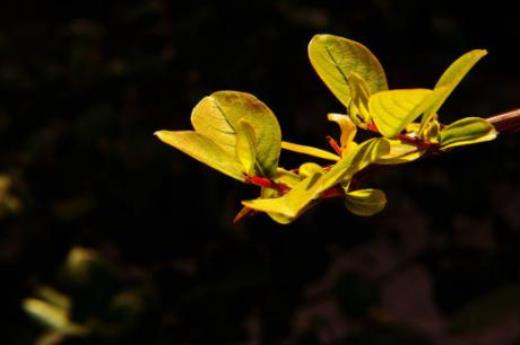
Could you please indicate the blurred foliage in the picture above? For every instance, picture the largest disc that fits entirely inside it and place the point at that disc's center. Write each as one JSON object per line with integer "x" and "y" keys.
{"x": 99, "y": 306}
{"x": 83, "y": 86}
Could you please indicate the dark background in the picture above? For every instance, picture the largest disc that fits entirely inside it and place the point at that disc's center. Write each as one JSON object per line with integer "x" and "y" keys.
{"x": 83, "y": 86}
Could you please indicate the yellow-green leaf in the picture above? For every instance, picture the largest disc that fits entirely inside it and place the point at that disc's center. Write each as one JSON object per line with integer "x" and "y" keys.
{"x": 310, "y": 151}
{"x": 291, "y": 204}
{"x": 355, "y": 160}
{"x": 365, "y": 202}
{"x": 450, "y": 79}
{"x": 286, "y": 177}
{"x": 399, "y": 153}
{"x": 334, "y": 58}
{"x": 467, "y": 131}
{"x": 298, "y": 199}
{"x": 310, "y": 168}
{"x": 393, "y": 110}
{"x": 245, "y": 147}
{"x": 347, "y": 127}
{"x": 217, "y": 117}
{"x": 204, "y": 150}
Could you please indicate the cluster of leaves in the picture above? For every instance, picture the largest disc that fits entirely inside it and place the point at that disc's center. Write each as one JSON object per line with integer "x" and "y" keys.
{"x": 238, "y": 135}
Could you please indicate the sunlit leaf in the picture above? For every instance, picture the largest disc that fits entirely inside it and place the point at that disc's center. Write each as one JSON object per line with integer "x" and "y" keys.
{"x": 215, "y": 120}
{"x": 355, "y": 160}
{"x": 286, "y": 177}
{"x": 310, "y": 151}
{"x": 204, "y": 150}
{"x": 365, "y": 202}
{"x": 399, "y": 153}
{"x": 245, "y": 147}
{"x": 307, "y": 169}
{"x": 217, "y": 117}
{"x": 467, "y": 131}
{"x": 451, "y": 78}
{"x": 347, "y": 127}
{"x": 334, "y": 58}
{"x": 393, "y": 110}
{"x": 291, "y": 204}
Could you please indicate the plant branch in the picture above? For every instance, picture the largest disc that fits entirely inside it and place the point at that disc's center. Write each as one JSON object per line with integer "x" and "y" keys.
{"x": 506, "y": 122}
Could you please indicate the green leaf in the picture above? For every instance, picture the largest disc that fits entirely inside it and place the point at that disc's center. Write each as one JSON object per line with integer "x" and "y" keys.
{"x": 355, "y": 160}
{"x": 298, "y": 199}
{"x": 399, "y": 153}
{"x": 310, "y": 168}
{"x": 245, "y": 147}
{"x": 365, "y": 202}
{"x": 292, "y": 204}
{"x": 467, "y": 131}
{"x": 347, "y": 127}
{"x": 310, "y": 151}
{"x": 451, "y": 78}
{"x": 204, "y": 150}
{"x": 216, "y": 119}
{"x": 393, "y": 110}
{"x": 335, "y": 58}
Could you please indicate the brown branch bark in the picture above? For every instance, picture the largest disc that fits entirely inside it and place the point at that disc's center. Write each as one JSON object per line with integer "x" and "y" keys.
{"x": 506, "y": 122}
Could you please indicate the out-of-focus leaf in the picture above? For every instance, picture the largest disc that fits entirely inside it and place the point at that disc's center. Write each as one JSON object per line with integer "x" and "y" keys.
{"x": 215, "y": 120}
{"x": 347, "y": 127}
{"x": 310, "y": 151}
{"x": 393, "y": 110}
{"x": 467, "y": 131}
{"x": 365, "y": 202}
{"x": 49, "y": 314}
{"x": 334, "y": 58}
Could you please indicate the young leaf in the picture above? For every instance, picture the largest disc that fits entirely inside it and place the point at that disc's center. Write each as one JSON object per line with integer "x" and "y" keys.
{"x": 354, "y": 160}
{"x": 400, "y": 152}
{"x": 393, "y": 110}
{"x": 204, "y": 150}
{"x": 291, "y": 204}
{"x": 334, "y": 58}
{"x": 451, "y": 78}
{"x": 310, "y": 168}
{"x": 365, "y": 202}
{"x": 310, "y": 151}
{"x": 216, "y": 119}
{"x": 245, "y": 147}
{"x": 347, "y": 127}
{"x": 467, "y": 131}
